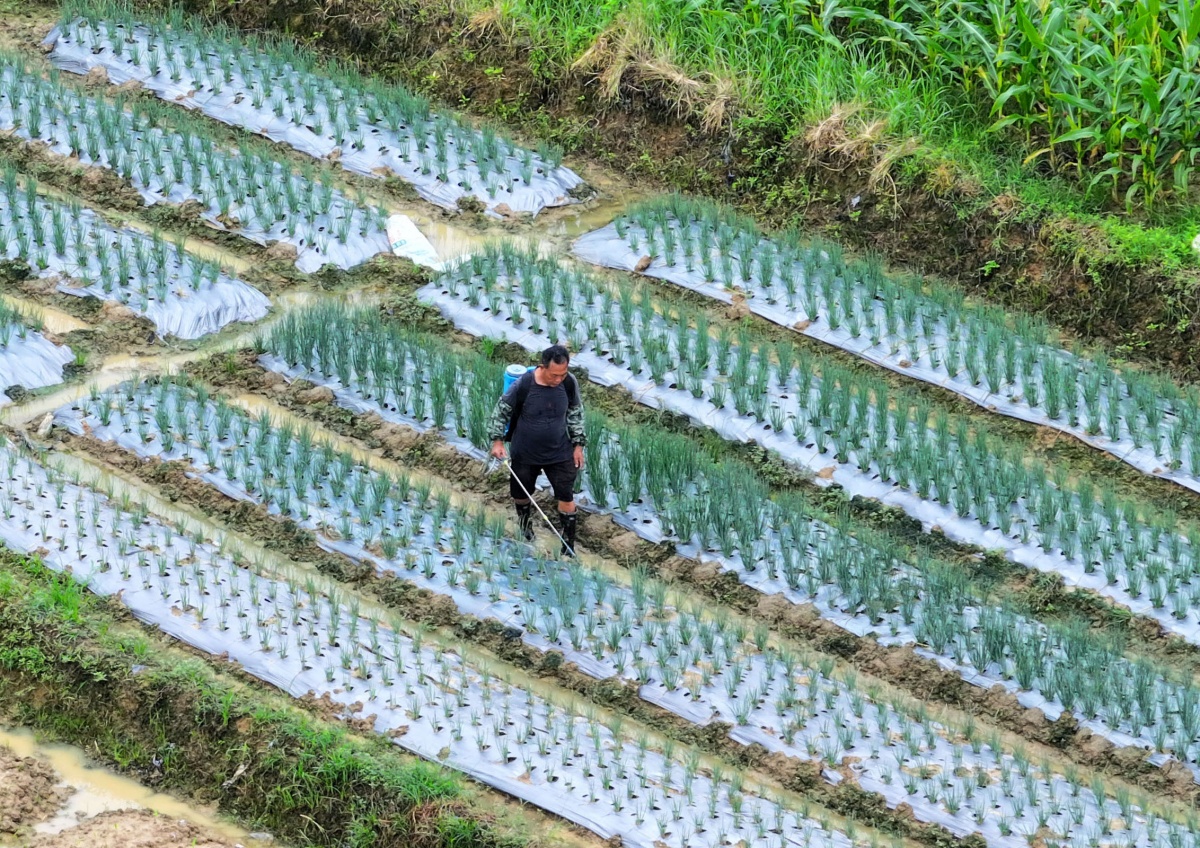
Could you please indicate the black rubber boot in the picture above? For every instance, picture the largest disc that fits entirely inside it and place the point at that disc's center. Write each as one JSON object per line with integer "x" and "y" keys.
{"x": 568, "y": 520}
{"x": 525, "y": 520}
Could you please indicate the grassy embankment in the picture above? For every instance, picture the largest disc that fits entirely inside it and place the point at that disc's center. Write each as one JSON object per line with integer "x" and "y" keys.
{"x": 80, "y": 670}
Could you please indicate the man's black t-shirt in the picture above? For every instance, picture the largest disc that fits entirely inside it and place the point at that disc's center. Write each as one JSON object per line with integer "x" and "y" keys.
{"x": 539, "y": 436}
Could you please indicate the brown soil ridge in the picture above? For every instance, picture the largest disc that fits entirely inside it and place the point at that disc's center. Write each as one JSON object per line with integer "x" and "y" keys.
{"x": 921, "y": 677}
{"x": 29, "y": 792}
{"x": 117, "y": 329}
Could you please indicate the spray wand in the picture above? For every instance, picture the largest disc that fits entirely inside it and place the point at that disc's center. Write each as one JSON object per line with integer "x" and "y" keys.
{"x": 545, "y": 517}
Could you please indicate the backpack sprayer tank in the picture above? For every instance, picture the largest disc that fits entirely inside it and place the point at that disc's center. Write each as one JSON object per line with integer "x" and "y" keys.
{"x": 513, "y": 373}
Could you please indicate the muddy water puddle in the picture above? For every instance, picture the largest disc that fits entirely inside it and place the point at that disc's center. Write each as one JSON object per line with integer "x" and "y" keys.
{"x": 550, "y": 233}
{"x": 63, "y": 791}
{"x": 51, "y": 320}
{"x": 119, "y": 367}
{"x": 574, "y": 221}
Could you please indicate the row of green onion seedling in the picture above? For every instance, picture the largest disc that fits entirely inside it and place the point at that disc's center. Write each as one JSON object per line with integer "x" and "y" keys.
{"x": 171, "y": 160}
{"x": 659, "y": 486}
{"x": 696, "y": 662}
{"x": 283, "y": 93}
{"x": 27, "y": 358}
{"x": 873, "y": 440}
{"x": 185, "y": 296}
{"x": 1012, "y": 366}
{"x": 309, "y": 639}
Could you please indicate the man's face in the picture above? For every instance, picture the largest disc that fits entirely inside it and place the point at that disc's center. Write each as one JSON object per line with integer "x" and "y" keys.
{"x": 554, "y": 373}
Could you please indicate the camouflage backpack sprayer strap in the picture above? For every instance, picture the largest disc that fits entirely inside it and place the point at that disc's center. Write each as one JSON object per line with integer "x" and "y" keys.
{"x": 522, "y": 384}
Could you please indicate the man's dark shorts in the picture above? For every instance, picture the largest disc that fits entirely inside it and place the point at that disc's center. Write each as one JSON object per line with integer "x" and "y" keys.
{"x": 560, "y": 474}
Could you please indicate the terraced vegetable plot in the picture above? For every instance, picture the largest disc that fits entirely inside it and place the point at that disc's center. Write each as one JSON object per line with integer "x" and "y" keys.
{"x": 185, "y": 296}
{"x": 751, "y": 650}
{"x": 849, "y": 428}
{"x": 1012, "y": 367}
{"x": 292, "y": 635}
{"x": 255, "y": 195}
{"x": 283, "y": 94}
{"x": 660, "y": 488}
{"x": 690, "y": 660}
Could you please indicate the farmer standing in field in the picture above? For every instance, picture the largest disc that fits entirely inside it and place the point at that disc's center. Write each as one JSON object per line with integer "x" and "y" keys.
{"x": 541, "y": 414}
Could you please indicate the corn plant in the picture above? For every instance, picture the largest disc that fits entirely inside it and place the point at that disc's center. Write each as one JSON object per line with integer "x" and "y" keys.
{"x": 1095, "y": 90}
{"x": 1083, "y": 83}
{"x": 1098, "y": 89}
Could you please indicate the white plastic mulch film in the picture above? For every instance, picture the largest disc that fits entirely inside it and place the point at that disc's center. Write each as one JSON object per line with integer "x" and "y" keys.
{"x": 974, "y": 491}
{"x": 184, "y": 296}
{"x": 437, "y": 704}
{"x": 976, "y": 353}
{"x": 776, "y": 548}
{"x": 27, "y": 358}
{"x": 374, "y": 131}
{"x": 700, "y": 667}
{"x": 257, "y": 197}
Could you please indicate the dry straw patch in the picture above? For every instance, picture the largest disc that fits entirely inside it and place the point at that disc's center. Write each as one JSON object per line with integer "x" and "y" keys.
{"x": 626, "y": 57}
{"x": 847, "y": 139}
{"x": 492, "y": 23}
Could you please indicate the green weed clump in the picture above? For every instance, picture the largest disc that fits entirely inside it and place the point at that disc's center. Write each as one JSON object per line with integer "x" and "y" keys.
{"x": 1099, "y": 90}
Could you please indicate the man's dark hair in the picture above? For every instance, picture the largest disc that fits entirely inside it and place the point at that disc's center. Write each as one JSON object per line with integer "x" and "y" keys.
{"x": 558, "y": 354}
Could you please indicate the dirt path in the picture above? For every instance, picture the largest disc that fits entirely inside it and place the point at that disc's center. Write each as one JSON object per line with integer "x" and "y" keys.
{"x": 29, "y": 793}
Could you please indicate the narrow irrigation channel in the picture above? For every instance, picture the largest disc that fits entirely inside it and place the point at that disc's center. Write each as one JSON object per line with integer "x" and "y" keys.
{"x": 253, "y": 552}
